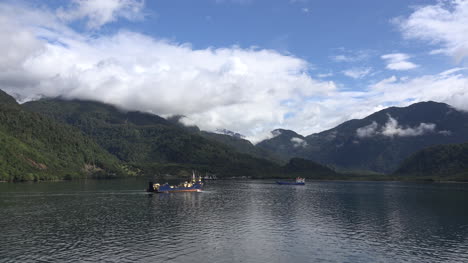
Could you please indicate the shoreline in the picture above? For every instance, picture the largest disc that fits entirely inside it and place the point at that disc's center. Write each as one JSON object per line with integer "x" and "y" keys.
{"x": 363, "y": 179}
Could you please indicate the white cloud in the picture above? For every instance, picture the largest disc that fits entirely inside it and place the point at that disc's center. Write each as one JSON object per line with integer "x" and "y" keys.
{"x": 392, "y": 128}
{"x": 328, "y": 111}
{"x": 247, "y": 90}
{"x": 342, "y": 58}
{"x": 305, "y": 10}
{"x": 184, "y": 120}
{"x": 351, "y": 55}
{"x": 448, "y": 88}
{"x": 212, "y": 86}
{"x": 264, "y": 134}
{"x": 298, "y": 142}
{"x": 101, "y": 12}
{"x": 446, "y": 133}
{"x": 398, "y": 61}
{"x": 452, "y": 71}
{"x": 367, "y": 131}
{"x": 275, "y": 133}
{"x": 357, "y": 73}
{"x": 17, "y": 46}
{"x": 324, "y": 75}
{"x": 444, "y": 23}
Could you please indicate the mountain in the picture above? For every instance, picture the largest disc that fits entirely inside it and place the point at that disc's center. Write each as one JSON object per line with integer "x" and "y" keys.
{"x": 228, "y": 138}
{"x": 230, "y": 133}
{"x": 34, "y": 147}
{"x": 6, "y": 99}
{"x": 147, "y": 144}
{"x": 298, "y": 167}
{"x": 242, "y": 145}
{"x": 449, "y": 160}
{"x": 150, "y": 143}
{"x": 379, "y": 142}
{"x": 285, "y": 143}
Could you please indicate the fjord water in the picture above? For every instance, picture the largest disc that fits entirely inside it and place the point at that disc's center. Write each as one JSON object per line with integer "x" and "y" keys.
{"x": 234, "y": 221}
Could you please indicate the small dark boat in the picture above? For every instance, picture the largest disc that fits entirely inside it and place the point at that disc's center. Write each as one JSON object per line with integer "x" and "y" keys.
{"x": 194, "y": 185}
{"x": 299, "y": 181}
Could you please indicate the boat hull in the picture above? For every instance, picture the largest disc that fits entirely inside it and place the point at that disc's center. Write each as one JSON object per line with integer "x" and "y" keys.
{"x": 177, "y": 189}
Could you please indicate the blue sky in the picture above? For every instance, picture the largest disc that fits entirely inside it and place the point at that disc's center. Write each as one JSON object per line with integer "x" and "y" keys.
{"x": 245, "y": 65}
{"x": 316, "y": 31}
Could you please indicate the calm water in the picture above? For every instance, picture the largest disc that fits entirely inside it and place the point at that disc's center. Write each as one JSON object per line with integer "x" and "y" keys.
{"x": 248, "y": 221}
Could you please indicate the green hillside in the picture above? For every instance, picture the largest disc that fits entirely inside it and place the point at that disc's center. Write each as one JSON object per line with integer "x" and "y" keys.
{"x": 59, "y": 139}
{"x": 449, "y": 161}
{"x": 150, "y": 143}
{"x": 34, "y": 147}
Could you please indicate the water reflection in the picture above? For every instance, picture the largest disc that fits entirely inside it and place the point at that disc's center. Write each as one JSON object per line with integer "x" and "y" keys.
{"x": 250, "y": 221}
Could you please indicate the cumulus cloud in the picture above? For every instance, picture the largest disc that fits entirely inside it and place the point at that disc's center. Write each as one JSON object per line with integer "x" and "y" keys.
{"x": 210, "y": 86}
{"x": 444, "y": 23}
{"x": 391, "y": 128}
{"x": 298, "y": 142}
{"x": 98, "y": 13}
{"x": 367, "y": 131}
{"x": 246, "y": 90}
{"x": 357, "y": 73}
{"x": 398, "y": 61}
{"x": 451, "y": 88}
{"x": 187, "y": 122}
{"x": 264, "y": 134}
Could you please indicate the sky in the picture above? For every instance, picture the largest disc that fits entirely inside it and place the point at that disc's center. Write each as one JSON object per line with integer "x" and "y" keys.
{"x": 249, "y": 66}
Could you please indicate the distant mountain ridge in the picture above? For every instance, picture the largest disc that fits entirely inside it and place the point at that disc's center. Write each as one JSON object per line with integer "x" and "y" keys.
{"x": 379, "y": 142}
{"x": 153, "y": 144}
{"x": 242, "y": 146}
{"x": 147, "y": 144}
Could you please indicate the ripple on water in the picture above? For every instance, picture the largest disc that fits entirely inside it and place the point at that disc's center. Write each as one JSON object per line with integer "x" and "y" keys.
{"x": 249, "y": 221}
